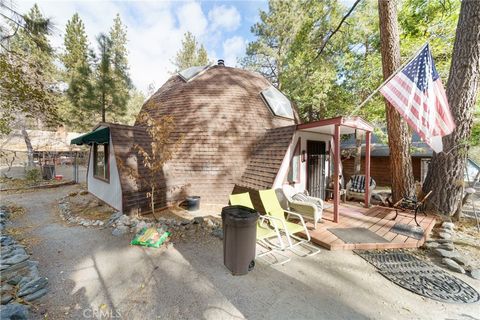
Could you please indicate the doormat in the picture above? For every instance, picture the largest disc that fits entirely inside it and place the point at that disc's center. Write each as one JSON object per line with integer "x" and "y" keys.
{"x": 357, "y": 235}
{"x": 415, "y": 232}
{"x": 420, "y": 277}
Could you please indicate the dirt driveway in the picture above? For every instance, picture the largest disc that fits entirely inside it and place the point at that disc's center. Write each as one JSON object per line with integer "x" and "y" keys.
{"x": 93, "y": 274}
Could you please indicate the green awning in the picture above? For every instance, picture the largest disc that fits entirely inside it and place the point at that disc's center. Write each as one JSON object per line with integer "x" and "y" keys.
{"x": 99, "y": 136}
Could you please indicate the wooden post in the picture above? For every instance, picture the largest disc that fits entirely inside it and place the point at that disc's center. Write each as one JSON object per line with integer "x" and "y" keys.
{"x": 336, "y": 176}
{"x": 367, "y": 168}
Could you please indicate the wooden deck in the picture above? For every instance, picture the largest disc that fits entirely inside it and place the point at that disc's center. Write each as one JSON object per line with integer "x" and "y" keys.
{"x": 376, "y": 219}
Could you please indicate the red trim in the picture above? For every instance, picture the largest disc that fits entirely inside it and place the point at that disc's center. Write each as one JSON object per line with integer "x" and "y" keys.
{"x": 336, "y": 176}
{"x": 368, "y": 136}
{"x": 353, "y": 122}
{"x": 319, "y": 123}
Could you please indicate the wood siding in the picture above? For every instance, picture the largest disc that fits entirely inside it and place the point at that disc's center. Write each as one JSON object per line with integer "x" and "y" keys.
{"x": 380, "y": 169}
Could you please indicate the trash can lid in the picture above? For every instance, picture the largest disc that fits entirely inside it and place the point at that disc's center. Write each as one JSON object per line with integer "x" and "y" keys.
{"x": 239, "y": 213}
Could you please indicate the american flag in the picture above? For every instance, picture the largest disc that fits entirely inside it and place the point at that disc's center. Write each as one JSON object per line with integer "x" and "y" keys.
{"x": 418, "y": 95}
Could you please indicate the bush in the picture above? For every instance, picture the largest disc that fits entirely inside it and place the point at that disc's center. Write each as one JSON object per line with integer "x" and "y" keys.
{"x": 33, "y": 176}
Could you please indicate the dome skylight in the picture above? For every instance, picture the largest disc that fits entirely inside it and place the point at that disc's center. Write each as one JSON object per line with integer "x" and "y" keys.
{"x": 191, "y": 72}
{"x": 278, "y": 103}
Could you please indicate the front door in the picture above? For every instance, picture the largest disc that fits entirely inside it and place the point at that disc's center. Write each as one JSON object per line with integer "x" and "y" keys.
{"x": 316, "y": 151}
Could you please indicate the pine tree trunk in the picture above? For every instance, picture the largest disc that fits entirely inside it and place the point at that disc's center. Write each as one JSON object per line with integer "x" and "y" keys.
{"x": 446, "y": 173}
{"x": 399, "y": 136}
{"x": 28, "y": 143}
{"x": 103, "y": 106}
{"x": 357, "y": 164}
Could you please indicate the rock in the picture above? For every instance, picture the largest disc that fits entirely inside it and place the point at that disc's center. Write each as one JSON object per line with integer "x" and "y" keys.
{"x": 432, "y": 245}
{"x": 460, "y": 260}
{"x": 14, "y": 311}
{"x": 35, "y": 295}
{"x": 123, "y": 220}
{"x": 209, "y": 223}
{"x": 217, "y": 233}
{"x": 113, "y": 218}
{"x": 120, "y": 230}
{"x": 83, "y": 192}
{"x": 446, "y": 253}
{"x": 6, "y": 298}
{"x": 14, "y": 280}
{"x": 5, "y": 287}
{"x": 198, "y": 220}
{"x": 445, "y": 235}
{"x": 100, "y": 223}
{"x": 32, "y": 286}
{"x": 448, "y": 225}
{"x": 86, "y": 223}
{"x": 13, "y": 252}
{"x": 443, "y": 241}
{"x": 72, "y": 194}
{"x": 475, "y": 274}
{"x": 13, "y": 270}
{"x": 24, "y": 281}
{"x": 15, "y": 259}
{"x": 447, "y": 246}
{"x": 452, "y": 265}
{"x": 444, "y": 230}
{"x": 6, "y": 241}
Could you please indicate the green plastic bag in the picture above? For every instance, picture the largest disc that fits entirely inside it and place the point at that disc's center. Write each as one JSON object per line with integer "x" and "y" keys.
{"x": 150, "y": 237}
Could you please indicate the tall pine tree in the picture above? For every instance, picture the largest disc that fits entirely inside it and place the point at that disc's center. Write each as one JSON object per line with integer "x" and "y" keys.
{"x": 112, "y": 83}
{"x": 78, "y": 75}
{"x": 28, "y": 77}
{"x": 119, "y": 62}
{"x": 191, "y": 54}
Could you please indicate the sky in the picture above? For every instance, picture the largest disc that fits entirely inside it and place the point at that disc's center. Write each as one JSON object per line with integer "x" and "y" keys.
{"x": 155, "y": 29}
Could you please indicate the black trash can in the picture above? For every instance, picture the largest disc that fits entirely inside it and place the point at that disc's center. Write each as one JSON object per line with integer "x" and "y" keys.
{"x": 192, "y": 203}
{"x": 239, "y": 238}
{"x": 48, "y": 171}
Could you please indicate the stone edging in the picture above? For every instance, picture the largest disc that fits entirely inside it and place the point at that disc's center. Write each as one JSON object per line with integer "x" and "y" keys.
{"x": 66, "y": 214}
{"x": 444, "y": 248}
{"x": 19, "y": 275}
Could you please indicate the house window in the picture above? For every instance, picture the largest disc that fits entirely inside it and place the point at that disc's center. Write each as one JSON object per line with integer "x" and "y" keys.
{"x": 101, "y": 167}
{"x": 294, "y": 168}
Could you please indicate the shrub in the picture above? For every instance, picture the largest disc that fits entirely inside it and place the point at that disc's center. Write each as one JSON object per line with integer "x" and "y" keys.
{"x": 33, "y": 175}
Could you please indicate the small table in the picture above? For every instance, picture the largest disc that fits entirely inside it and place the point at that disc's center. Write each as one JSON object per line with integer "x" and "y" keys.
{"x": 343, "y": 192}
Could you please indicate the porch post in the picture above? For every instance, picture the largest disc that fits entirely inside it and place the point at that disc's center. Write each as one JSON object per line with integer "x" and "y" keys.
{"x": 367, "y": 168}
{"x": 336, "y": 178}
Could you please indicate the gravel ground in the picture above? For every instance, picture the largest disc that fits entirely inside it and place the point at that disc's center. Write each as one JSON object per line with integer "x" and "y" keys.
{"x": 93, "y": 274}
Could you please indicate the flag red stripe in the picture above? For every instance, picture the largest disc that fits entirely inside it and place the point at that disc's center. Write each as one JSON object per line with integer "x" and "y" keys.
{"x": 405, "y": 104}
{"x": 423, "y": 132}
{"x": 446, "y": 126}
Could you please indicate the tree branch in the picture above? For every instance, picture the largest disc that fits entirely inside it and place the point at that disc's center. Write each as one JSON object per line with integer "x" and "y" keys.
{"x": 332, "y": 33}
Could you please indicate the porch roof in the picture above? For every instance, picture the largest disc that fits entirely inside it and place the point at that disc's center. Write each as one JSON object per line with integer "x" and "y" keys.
{"x": 347, "y": 125}
{"x": 336, "y": 127}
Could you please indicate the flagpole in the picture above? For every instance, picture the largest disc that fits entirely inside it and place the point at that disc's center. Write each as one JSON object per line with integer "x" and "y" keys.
{"x": 388, "y": 79}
